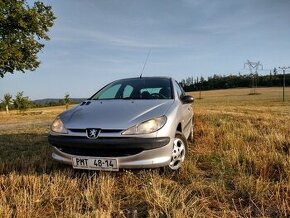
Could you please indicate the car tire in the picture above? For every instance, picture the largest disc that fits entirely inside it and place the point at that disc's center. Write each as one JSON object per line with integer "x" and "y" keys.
{"x": 179, "y": 152}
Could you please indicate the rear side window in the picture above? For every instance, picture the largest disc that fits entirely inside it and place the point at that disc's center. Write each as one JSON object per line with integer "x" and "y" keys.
{"x": 127, "y": 91}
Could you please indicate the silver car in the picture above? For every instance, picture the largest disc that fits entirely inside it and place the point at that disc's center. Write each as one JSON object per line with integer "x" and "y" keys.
{"x": 130, "y": 123}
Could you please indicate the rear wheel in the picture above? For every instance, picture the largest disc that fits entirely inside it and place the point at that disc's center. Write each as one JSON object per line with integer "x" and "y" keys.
{"x": 179, "y": 151}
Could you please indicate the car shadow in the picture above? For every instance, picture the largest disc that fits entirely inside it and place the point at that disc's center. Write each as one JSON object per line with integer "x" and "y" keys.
{"x": 30, "y": 153}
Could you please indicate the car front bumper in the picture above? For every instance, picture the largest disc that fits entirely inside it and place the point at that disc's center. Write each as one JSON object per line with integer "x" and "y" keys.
{"x": 147, "y": 152}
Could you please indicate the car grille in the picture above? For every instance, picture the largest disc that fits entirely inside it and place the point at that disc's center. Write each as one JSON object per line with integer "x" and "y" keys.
{"x": 100, "y": 152}
{"x": 102, "y": 130}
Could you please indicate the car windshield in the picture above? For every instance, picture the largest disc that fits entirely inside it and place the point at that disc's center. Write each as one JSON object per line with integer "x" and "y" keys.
{"x": 138, "y": 88}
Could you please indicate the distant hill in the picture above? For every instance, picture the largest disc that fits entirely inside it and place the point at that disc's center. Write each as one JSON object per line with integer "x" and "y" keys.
{"x": 46, "y": 101}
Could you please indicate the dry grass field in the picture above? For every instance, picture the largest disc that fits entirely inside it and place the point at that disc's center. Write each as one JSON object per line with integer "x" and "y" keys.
{"x": 238, "y": 166}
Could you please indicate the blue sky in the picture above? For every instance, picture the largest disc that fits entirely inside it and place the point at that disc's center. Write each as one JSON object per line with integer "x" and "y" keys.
{"x": 94, "y": 42}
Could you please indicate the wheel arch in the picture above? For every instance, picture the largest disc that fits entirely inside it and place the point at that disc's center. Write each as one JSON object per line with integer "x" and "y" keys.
{"x": 179, "y": 127}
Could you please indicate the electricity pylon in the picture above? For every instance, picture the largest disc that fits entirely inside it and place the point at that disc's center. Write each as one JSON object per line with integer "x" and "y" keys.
{"x": 253, "y": 68}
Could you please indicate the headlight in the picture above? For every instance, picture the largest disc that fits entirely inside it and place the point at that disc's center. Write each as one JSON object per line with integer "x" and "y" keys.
{"x": 146, "y": 127}
{"x": 57, "y": 126}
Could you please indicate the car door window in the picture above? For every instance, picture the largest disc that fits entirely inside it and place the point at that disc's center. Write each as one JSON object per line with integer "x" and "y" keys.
{"x": 182, "y": 91}
{"x": 179, "y": 90}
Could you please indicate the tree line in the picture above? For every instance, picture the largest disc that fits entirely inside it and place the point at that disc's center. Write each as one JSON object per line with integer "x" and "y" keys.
{"x": 233, "y": 81}
{"x": 22, "y": 103}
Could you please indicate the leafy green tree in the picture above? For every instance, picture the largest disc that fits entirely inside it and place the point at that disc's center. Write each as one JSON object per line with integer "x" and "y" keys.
{"x": 7, "y": 100}
{"x": 66, "y": 100}
{"x": 23, "y": 28}
{"x": 21, "y": 102}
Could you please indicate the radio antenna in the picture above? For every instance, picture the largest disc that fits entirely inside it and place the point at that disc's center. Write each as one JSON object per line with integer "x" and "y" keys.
{"x": 149, "y": 52}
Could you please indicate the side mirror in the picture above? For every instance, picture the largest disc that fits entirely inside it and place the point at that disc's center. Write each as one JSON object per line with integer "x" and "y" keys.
{"x": 187, "y": 99}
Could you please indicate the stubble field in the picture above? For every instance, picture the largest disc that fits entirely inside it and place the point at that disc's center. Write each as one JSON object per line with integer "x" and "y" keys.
{"x": 238, "y": 166}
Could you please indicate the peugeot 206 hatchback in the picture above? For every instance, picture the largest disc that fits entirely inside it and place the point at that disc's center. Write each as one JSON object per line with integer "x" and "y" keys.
{"x": 130, "y": 123}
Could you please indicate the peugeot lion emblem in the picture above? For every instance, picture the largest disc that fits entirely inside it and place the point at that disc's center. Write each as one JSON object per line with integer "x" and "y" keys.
{"x": 93, "y": 133}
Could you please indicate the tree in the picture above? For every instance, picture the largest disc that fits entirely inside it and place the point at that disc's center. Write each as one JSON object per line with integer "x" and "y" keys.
{"x": 7, "y": 100}
{"x": 66, "y": 100}
{"x": 189, "y": 81}
{"x": 183, "y": 83}
{"x": 21, "y": 102}
{"x": 275, "y": 71}
{"x": 23, "y": 28}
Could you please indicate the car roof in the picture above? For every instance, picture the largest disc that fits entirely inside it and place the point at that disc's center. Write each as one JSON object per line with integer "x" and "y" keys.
{"x": 147, "y": 77}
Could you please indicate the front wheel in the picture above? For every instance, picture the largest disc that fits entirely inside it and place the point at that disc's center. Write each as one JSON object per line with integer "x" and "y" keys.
{"x": 179, "y": 151}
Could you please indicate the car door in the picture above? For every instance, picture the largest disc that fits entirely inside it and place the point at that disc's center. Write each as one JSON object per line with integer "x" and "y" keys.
{"x": 186, "y": 111}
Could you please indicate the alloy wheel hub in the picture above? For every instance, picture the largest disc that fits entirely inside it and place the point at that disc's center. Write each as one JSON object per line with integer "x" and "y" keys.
{"x": 178, "y": 154}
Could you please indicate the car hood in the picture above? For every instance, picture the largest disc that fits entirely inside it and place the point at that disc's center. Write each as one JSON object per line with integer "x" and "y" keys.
{"x": 114, "y": 114}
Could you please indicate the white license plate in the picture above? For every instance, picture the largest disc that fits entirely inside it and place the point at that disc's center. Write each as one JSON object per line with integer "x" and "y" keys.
{"x": 97, "y": 163}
